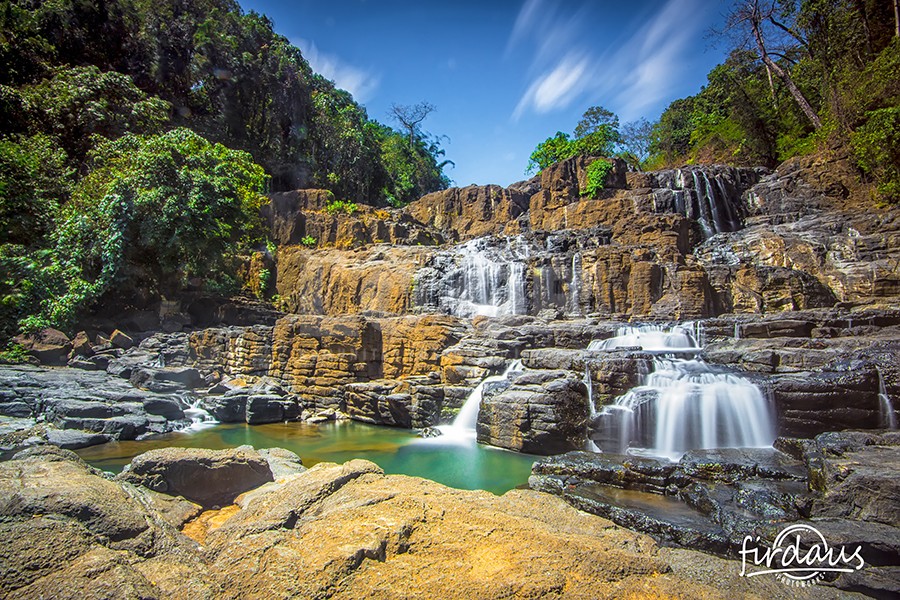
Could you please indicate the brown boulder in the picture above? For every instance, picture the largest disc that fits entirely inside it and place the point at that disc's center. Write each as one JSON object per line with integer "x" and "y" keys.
{"x": 348, "y": 531}
{"x": 207, "y": 477}
{"x": 49, "y": 346}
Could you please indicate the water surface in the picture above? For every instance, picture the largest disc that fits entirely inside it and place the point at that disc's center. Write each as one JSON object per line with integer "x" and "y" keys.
{"x": 398, "y": 451}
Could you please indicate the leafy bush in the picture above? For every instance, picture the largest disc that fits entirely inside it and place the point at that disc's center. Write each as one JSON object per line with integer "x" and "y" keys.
{"x": 877, "y": 148}
{"x": 34, "y": 180}
{"x": 596, "y": 176}
{"x": 308, "y": 241}
{"x": 336, "y": 206}
{"x": 153, "y": 212}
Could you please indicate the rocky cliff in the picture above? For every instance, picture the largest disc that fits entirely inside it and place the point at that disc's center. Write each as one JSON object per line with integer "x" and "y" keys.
{"x": 685, "y": 243}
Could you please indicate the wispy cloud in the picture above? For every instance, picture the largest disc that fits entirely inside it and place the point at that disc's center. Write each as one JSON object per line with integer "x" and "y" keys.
{"x": 638, "y": 73}
{"x": 556, "y": 88}
{"x": 359, "y": 82}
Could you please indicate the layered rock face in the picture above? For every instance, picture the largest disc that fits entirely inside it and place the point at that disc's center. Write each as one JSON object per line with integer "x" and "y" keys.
{"x": 677, "y": 244}
{"x": 316, "y": 359}
{"x": 337, "y": 531}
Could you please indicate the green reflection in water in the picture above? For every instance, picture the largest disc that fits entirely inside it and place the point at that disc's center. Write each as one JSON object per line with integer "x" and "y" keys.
{"x": 397, "y": 451}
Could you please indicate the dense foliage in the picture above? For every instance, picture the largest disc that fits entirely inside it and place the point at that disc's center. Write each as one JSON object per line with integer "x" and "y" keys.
{"x": 138, "y": 135}
{"x": 801, "y": 74}
{"x": 596, "y": 134}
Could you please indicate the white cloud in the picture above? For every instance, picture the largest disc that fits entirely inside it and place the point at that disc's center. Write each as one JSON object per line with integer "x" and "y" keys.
{"x": 359, "y": 82}
{"x": 638, "y": 74}
{"x": 556, "y": 88}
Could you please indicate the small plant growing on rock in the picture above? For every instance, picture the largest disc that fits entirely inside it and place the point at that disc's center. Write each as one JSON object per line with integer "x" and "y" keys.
{"x": 341, "y": 206}
{"x": 265, "y": 277}
{"x": 596, "y": 176}
{"x": 308, "y": 241}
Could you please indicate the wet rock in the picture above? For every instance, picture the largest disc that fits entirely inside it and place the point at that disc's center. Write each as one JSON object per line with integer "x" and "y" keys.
{"x": 72, "y": 439}
{"x": 627, "y": 472}
{"x": 858, "y": 480}
{"x": 812, "y": 403}
{"x": 541, "y": 415}
{"x": 736, "y": 464}
{"x": 207, "y": 477}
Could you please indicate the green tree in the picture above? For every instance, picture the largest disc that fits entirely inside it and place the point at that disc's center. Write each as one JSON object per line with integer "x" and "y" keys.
{"x": 153, "y": 212}
{"x": 634, "y": 141}
{"x": 34, "y": 180}
{"x": 595, "y": 135}
{"x": 78, "y": 103}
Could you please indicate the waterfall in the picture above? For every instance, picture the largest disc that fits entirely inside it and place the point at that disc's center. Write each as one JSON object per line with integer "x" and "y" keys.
{"x": 888, "y": 418}
{"x": 709, "y": 195}
{"x": 199, "y": 416}
{"x": 683, "y": 338}
{"x": 479, "y": 277}
{"x": 589, "y": 384}
{"x": 463, "y": 426}
{"x": 682, "y": 404}
{"x": 575, "y": 285}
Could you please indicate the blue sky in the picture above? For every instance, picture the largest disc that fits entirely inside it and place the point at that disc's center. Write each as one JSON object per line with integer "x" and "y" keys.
{"x": 504, "y": 76}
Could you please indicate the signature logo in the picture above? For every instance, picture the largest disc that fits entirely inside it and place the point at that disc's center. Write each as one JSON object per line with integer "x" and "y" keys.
{"x": 799, "y": 556}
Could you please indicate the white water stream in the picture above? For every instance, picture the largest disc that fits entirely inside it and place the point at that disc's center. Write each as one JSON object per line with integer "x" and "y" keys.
{"x": 682, "y": 404}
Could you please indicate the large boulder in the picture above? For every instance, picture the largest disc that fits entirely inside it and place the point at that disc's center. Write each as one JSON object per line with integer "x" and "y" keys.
{"x": 542, "y": 412}
{"x": 49, "y": 346}
{"x": 207, "y": 477}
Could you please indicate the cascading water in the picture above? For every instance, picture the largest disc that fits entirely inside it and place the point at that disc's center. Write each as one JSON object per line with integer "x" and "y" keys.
{"x": 463, "y": 426}
{"x": 682, "y": 404}
{"x": 709, "y": 195}
{"x": 888, "y": 417}
{"x": 574, "y": 307}
{"x": 657, "y": 339}
{"x": 484, "y": 276}
{"x": 590, "y": 445}
{"x": 198, "y": 416}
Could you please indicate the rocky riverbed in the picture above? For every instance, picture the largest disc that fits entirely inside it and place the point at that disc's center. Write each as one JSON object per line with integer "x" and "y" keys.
{"x": 172, "y": 527}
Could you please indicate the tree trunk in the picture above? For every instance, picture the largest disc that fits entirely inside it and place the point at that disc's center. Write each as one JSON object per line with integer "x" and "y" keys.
{"x": 785, "y": 76}
{"x": 896, "y": 18}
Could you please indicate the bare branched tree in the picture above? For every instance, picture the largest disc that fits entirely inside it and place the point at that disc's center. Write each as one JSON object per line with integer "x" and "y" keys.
{"x": 409, "y": 117}
{"x": 754, "y": 20}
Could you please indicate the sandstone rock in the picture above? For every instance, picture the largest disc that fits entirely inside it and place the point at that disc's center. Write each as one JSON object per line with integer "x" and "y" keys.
{"x": 207, "y": 477}
{"x": 464, "y": 213}
{"x": 542, "y": 412}
{"x": 121, "y": 340}
{"x": 49, "y": 346}
{"x": 407, "y": 550}
{"x": 335, "y": 282}
{"x": 49, "y": 481}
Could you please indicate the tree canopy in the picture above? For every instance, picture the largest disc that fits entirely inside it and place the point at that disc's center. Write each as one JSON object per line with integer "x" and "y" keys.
{"x": 800, "y": 74}
{"x": 139, "y": 135}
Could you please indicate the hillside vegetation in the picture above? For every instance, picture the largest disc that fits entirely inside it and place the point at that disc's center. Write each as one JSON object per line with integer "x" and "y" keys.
{"x": 138, "y": 140}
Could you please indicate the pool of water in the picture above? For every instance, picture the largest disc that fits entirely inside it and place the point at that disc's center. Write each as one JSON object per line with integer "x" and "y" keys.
{"x": 462, "y": 465}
